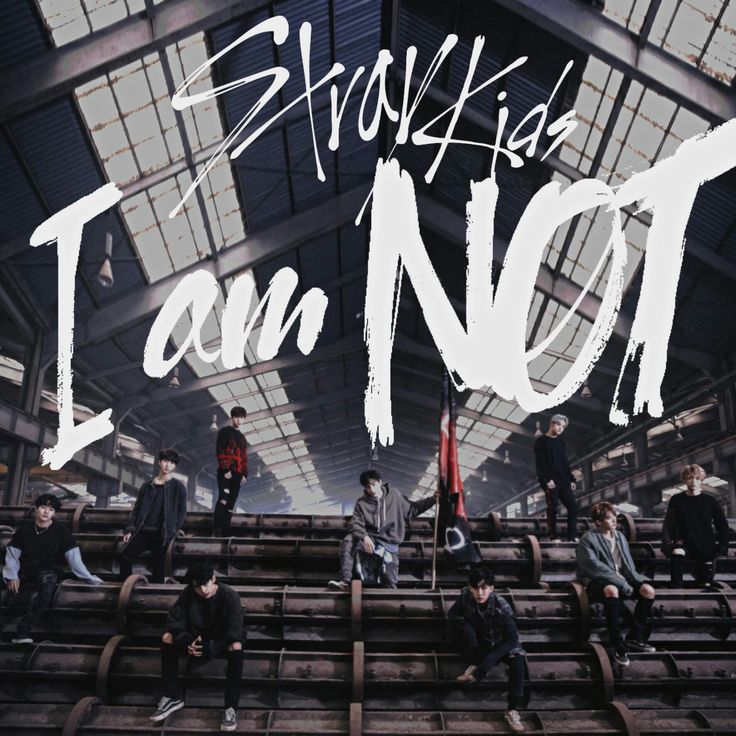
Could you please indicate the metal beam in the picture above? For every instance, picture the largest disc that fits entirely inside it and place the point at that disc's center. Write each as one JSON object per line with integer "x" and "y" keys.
{"x": 118, "y": 315}
{"x": 26, "y": 428}
{"x": 412, "y": 347}
{"x": 662, "y": 473}
{"x": 349, "y": 344}
{"x": 588, "y": 30}
{"x": 452, "y": 226}
{"x": 59, "y": 71}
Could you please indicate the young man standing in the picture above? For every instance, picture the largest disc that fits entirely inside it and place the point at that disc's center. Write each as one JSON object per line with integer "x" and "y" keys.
{"x": 556, "y": 478}
{"x": 378, "y": 525}
{"x": 488, "y": 635}
{"x": 156, "y": 519}
{"x": 606, "y": 569}
{"x": 232, "y": 470}
{"x": 205, "y": 622}
{"x": 695, "y": 530}
{"x": 35, "y": 559}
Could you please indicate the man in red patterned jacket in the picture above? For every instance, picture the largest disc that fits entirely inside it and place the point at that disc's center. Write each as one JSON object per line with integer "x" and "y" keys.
{"x": 232, "y": 470}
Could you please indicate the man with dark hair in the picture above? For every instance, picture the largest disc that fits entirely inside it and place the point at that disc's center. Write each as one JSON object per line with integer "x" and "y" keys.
{"x": 156, "y": 519}
{"x": 232, "y": 470}
{"x": 488, "y": 635}
{"x": 34, "y": 559}
{"x": 556, "y": 478}
{"x": 607, "y": 570}
{"x": 377, "y": 527}
{"x": 205, "y": 622}
{"x": 695, "y": 530}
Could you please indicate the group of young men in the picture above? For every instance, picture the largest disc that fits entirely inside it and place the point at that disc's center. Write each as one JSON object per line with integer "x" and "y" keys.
{"x": 207, "y": 620}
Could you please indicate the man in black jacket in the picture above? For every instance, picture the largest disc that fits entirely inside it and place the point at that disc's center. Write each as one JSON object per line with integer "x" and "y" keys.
{"x": 556, "y": 478}
{"x": 205, "y": 622}
{"x": 378, "y": 526}
{"x": 488, "y": 635}
{"x": 156, "y": 519}
{"x": 695, "y": 530}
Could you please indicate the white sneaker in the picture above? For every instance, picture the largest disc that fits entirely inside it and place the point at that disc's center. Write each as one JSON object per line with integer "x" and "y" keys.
{"x": 514, "y": 720}
{"x": 339, "y": 585}
{"x": 468, "y": 676}
{"x": 166, "y": 706}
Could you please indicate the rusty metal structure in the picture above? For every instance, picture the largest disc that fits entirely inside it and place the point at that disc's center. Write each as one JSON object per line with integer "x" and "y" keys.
{"x": 368, "y": 661}
{"x": 296, "y": 561}
{"x": 389, "y": 618}
{"x": 85, "y": 518}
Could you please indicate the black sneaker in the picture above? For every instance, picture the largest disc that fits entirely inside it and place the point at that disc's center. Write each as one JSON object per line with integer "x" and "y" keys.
{"x": 634, "y": 645}
{"x": 166, "y": 706}
{"x": 620, "y": 657}
{"x": 228, "y": 722}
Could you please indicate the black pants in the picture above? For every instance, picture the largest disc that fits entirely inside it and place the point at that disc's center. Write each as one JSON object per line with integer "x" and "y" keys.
{"x": 566, "y": 495}
{"x": 234, "y": 673}
{"x": 227, "y": 491}
{"x": 348, "y": 548}
{"x": 614, "y": 607}
{"x": 139, "y": 543}
{"x": 40, "y": 587}
{"x": 703, "y": 569}
{"x": 486, "y": 659}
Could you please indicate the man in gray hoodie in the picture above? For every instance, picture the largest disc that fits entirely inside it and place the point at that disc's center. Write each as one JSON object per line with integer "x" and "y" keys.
{"x": 378, "y": 527}
{"x": 607, "y": 570}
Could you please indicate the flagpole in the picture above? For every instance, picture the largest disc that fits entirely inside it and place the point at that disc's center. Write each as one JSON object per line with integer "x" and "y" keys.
{"x": 436, "y": 529}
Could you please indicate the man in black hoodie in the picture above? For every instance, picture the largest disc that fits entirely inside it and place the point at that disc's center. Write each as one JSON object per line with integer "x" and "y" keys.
{"x": 695, "y": 530}
{"x": 378, "y": 526}
{"x": 156, "y": 519}
{"x": 205, "y": 622}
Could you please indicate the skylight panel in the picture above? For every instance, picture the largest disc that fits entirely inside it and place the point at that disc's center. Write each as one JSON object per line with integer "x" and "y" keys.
{"x": 69, "y": 20}
{"x": 719, "y": 59}
{"x": 627, "y": 13}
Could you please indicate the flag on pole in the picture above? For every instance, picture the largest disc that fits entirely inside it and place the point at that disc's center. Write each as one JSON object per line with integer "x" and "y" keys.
{"x": 453, "y": 523}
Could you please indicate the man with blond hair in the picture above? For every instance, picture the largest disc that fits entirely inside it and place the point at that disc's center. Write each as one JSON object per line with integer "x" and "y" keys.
{"x": 695, "y": 530}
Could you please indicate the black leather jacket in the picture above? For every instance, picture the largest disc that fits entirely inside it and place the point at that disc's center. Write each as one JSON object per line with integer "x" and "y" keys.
{"x": 175, "y": 508}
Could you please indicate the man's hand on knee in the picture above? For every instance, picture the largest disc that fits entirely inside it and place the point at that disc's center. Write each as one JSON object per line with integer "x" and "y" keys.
{"x": 236, "y": 646}
{"x": 167, "y": 638}
{"x": 610, "y": 591}
{"x": 646, "y": 591}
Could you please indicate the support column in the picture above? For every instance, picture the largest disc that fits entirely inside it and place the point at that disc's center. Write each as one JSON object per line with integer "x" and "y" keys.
{"x": 727, "y": 422}
{"x": 587, "y": 477}
{"x": 641, "y": 451}
{"x": 524, "y": 505}
{"x": 192, "y": 479}
{"x": 30, "y": 401}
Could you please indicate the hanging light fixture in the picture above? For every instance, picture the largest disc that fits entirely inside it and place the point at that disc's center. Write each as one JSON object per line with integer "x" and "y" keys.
{"x": 506, "y": 458}
{"x": 538, "y": 431}
{"x": 374, "y": 455}
{"x": 484, "y": 478}
{"x": 213, "y": 426}
{"x": 174, "y": 382}
{"x": 585, "y": 391}
{"x": 678, "y": 435}
{"x": 624, "y": 462}
{"x": 104, "y": 275}
{"x": 258, "y": 471}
